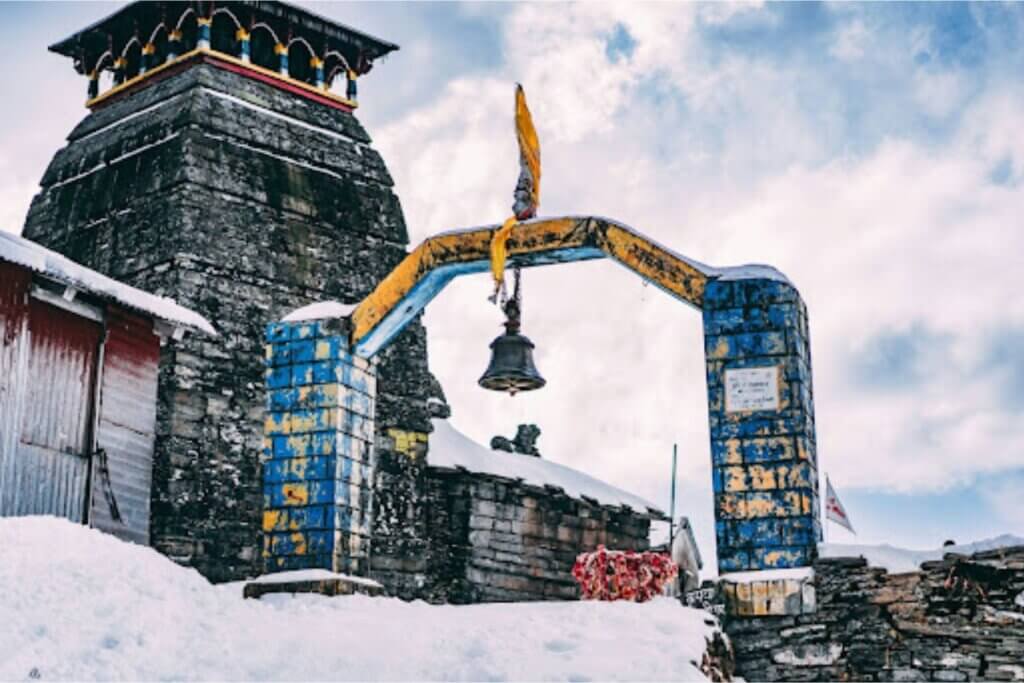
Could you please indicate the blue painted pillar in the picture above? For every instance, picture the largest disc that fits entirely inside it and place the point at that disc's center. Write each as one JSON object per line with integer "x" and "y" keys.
{"x": 93, "y": 91}
{"x": 351, "y": 91}
{"x": 120, "y": 70}
{"x": 318, "y": 71}
{"x": 173, "y": 44}
{"x": 282, "y": 54}
{"x": 318, "y": 449}
{"x": 761, "y": 412}
{"x": 243, "y": 38}
{"x": 204, "y": 26}
{"x": 146, "y": 61}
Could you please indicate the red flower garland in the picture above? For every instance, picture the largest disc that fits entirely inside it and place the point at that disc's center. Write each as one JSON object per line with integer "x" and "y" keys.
{"x": 623, "y": 575}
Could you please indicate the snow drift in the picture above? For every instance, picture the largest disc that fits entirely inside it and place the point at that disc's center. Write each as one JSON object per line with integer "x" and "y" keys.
{"x": 79, "y": 604}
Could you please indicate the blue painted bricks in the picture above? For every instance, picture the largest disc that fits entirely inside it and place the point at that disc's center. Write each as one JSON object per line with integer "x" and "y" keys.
{"x": 318, "y": 456}
{"x": 761, "y": 414}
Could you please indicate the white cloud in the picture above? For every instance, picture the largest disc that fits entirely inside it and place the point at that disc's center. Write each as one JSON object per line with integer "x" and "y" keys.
{"x": 899, "y": 235}
{"x": 850, "y": 41}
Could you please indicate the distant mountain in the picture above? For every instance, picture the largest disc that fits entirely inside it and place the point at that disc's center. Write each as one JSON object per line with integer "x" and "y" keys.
{"x": 898, "y": 560}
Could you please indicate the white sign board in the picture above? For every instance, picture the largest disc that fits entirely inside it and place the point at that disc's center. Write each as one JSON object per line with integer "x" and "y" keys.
{"x": 751, "y": 389}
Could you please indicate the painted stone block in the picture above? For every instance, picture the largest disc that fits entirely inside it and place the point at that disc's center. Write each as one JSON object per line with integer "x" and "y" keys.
{"x": 762, "y": 447}
{"x": 319, "y": 432}
{"x": 278, "y": 377}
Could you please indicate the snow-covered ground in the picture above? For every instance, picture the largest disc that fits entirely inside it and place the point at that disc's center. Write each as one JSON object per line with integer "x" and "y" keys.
{"x": 79, "y": 604}
{"x": 898, "y": 560}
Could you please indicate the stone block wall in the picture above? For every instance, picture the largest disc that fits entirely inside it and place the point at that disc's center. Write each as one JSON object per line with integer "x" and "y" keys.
{"x": 761, "y": 412}
{"x": 401, "y": 506}
{"x": 958, "y": 619}
{"x": 492, "y": 539}
{"x": 318, "y": 468}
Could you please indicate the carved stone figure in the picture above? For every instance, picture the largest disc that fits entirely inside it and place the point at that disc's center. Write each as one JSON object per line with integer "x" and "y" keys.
{"x": 525, "y": 441}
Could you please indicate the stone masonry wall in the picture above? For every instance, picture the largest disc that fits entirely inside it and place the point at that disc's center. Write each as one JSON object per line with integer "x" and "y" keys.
{"x": 242, "y": 202}
{"x": 958, "y": 619}
{"x": 492, "y": 539}
{"x": 761, "y": 413}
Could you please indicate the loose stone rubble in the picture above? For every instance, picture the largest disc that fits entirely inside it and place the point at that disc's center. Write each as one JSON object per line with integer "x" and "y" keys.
{"x": 958, "y": 619}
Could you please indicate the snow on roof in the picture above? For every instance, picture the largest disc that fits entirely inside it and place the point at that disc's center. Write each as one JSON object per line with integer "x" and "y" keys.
{"x": 319, "y": 311}
{"x": 451, "y": 449}
{"x": 39, "y": 259}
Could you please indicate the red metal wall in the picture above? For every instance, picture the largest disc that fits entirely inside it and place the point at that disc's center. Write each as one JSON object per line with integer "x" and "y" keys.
{"x": 49, "y": 417}
{"x": 127, "y": 422}
{"x": 14, "y": 289}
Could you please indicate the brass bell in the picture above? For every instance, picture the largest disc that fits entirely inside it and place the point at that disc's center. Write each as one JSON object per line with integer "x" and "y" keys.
{"x": 511, "y": 368}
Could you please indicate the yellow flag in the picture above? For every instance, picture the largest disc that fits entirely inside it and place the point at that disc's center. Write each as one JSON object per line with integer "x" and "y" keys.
{"x": 529, "y": 145}
{"x": 527, "y": 194}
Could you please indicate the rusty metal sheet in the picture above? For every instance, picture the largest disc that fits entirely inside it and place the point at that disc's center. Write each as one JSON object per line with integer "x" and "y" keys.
{"x": 14, "y": 288}
{"x": 45, "y": 470}
{"x": 127, "y": 423}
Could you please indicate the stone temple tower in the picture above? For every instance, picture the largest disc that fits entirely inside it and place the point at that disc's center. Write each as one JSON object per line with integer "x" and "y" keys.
{"x": 221, "y": 164}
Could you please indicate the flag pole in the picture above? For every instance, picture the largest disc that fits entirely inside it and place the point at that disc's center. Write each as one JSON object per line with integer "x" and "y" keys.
{"x": 672, "y": 503}
{"x": 824, "y": 514}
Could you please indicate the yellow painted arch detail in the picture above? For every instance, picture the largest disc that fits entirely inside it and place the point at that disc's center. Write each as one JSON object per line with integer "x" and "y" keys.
{"x": 534, "y": 242}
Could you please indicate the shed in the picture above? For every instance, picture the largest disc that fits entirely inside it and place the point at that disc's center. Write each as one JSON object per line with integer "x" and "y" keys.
{"x": 79, "y": 356}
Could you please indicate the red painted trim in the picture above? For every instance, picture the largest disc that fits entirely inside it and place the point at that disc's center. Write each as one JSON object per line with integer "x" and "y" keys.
{"x": 277, "y": 83}
{"x": 280, "y": 84}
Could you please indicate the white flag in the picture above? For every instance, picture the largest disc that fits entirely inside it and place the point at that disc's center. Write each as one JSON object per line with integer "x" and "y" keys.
{"x": 834, "y": 510}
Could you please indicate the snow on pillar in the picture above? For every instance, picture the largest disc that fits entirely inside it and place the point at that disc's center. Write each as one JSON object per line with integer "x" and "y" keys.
{"x": 318, "y": 449}
{"x": 761, "y": 413}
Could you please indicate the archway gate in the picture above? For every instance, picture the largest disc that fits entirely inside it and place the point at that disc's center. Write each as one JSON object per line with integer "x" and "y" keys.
{"x": 319, "y": 451}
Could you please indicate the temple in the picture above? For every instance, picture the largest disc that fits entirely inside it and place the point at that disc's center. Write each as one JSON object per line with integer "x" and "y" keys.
{"x": 286, "y": 47}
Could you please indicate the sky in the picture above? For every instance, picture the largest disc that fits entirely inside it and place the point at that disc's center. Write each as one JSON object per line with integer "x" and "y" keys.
{"x": 871, "y": 152}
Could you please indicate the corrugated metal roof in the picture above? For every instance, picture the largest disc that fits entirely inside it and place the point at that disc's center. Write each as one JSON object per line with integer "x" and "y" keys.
{"x": 18, "y": 250}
